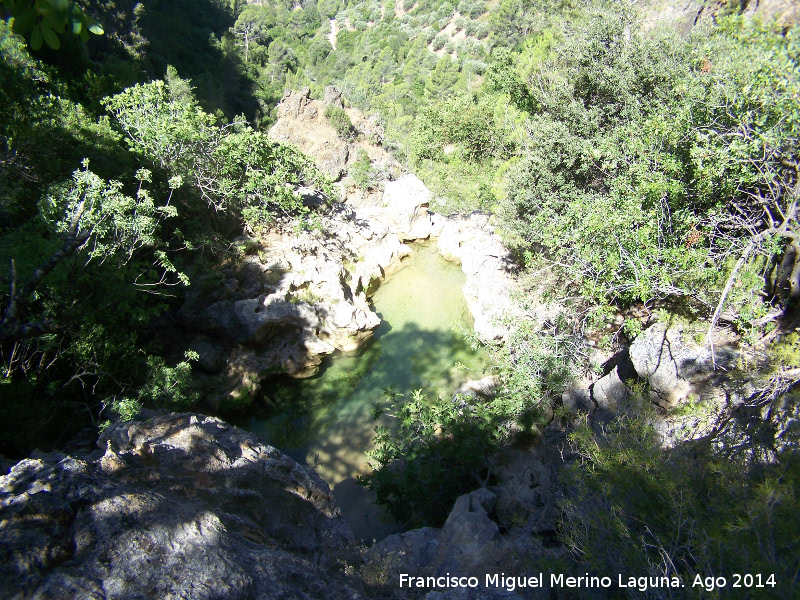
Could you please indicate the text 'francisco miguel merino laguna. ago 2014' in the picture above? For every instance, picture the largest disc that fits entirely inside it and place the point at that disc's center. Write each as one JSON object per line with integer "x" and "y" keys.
{"x": 556, "y": 580}
{"x": 559, "y": 580}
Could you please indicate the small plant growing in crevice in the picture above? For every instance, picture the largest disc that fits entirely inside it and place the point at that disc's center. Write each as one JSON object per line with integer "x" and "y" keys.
{"x": 362, "y": 172}
{"x": 339, "y": 120}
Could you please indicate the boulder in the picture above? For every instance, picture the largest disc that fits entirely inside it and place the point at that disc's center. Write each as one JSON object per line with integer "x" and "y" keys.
{"x": 673, "y": 366}
{"x": 469, "y": 544}
{"x": 577, "y": 400}
{"x": 527, "y": 493}
{"x": 182, "y": 506}
{"x": 610, "y": 391}
{"x": 333, "y": 96}
{"x": 405, "y": 208}
{"x": 473, "y": 389}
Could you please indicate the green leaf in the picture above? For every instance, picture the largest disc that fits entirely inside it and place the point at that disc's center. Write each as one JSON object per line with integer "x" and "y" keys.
{"x": 54, "y": 21}
{"x": 36, "y": 38}
{"x": 24, "y": 21}
{"x": 84, "y": 36}
{"x": 93, "y": 25}
{"x": 50, "y": 37}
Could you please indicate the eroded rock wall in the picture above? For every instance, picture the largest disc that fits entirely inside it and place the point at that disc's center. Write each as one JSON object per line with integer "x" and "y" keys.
{"x": 182, "y": 506}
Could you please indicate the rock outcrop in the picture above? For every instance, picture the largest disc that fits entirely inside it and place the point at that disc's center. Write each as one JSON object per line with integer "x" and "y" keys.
{"x": 302, "y": 123}
{"x": 674, "y": 371}
{"x": 501, "y": 529}
{"x": 182, "y": 506}
{"x": 300, "y": 297}
{"x": 472, "y": 242}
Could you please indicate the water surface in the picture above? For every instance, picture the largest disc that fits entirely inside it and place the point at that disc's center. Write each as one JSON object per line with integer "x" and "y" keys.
{"x": 327, "y": 421}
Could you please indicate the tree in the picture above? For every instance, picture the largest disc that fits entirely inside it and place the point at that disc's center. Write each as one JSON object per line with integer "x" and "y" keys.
{"x": 236, "y": 171}
{"x": 280, "y": 58}
{"x": 502, "y": 77}
{"x": 94, "y": 218}
{"x": 251, "y": 25}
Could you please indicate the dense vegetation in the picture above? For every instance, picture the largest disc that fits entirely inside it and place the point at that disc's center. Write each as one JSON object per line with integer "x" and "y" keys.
{"x": 110, "y": 201}
{"x": 630, "y": 165}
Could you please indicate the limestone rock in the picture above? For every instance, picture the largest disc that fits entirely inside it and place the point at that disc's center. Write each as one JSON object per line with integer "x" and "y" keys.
{"x": 485, "y": 389}
{"x": 527, "y": 493}
{"x": 183, "y": 506}
{"x": 302, "y": 123}
{"x": 684, "y": 15}
{"x": 610, "y": 391}
{"x": 405, "y": 208}
{"x": 672, "y": 366}
{"x": 469, "y": 544}
{"x": 333, "y": 96}
{"x": 472, "y": 242}
{"x": 577, "y": 401}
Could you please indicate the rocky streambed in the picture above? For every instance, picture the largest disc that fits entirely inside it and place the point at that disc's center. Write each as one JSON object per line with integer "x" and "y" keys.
{"x": 298, "y": 297}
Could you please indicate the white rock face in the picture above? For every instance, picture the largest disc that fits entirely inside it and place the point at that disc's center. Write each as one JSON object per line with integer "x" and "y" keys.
{"x": 472, "y": 242}
{"x": 404, "y": 209}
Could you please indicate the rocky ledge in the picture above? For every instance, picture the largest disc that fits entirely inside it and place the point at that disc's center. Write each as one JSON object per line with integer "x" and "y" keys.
{"x": 183, "y": 506}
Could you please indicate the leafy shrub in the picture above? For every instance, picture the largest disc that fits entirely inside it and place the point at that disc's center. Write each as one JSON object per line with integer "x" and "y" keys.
{"x": 463, "y": 121}
{"x": 362, "y": 172}
{"x": 234, "y": 169}
{"x": 701, "y": 509}
{"x": 439, "y": 41}
{"x": 472, "y": 9}
{"x": 438, "y": 452}
{"x": 339, "y": 120}
{"x": 634, "y": 177}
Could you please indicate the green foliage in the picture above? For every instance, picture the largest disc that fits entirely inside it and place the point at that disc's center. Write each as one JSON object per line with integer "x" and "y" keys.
{"x": 339, "y": 120}
{"x": 113, "y": 224}
{"x": 94, "y": 256}
{"x": 633, "y": 180}
{"x": 502, "y": 77}
{"x": 535, "y": 367}
{"x": 706, "y": 509}
{"x": 463, "y": 121}
{"x": 45, "y": 20}
{"x": 435, "y": 451}
{"x": 165, "y": 387}
{"x": 233, "y": 168}
{"x": 362, "y": 172}
{"x": 785, "y": 353}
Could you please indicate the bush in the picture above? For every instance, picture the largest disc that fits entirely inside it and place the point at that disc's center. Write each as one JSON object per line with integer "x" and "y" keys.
{"x": 635, "y": 178}
{"x": 461, "y": 121}
{"x": 706, "y": 508}
{"x": 361, "y": 171}
{"x": 339, "y": 120}
{"x": 439, "y": 41}
{"x": 437, "y": 452}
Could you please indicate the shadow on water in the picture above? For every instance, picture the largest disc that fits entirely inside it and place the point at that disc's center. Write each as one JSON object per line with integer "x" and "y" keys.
{"x": 327, "y": 421}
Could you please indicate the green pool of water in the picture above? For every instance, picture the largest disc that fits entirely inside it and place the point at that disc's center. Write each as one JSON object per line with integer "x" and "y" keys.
{"x": 327, "y": 421}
